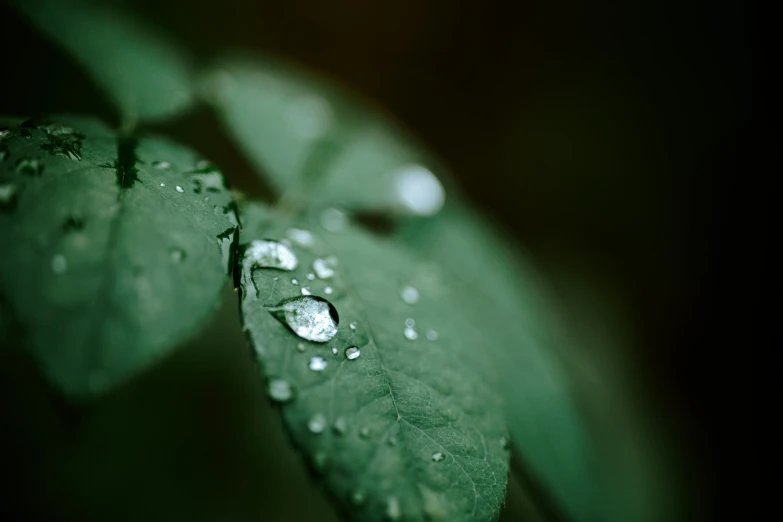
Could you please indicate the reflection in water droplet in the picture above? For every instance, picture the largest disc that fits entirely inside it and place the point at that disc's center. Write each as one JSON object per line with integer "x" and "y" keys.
{"x": 333, "y": 220}
{"x": 324, "y": 268}
{"x": 309, "y": 317}
{"x": 352, "y": 352}
{"x": 177, "y": 254}
{"x": 29, "y": 166}
{"x": 334, "y": 350}
{"x": 357, "y": 498}
{"x": 180, "y": 189}
{"x": 306, "y": 290}
{"x": 317, "y": 364}
{"x": 310, "y": 276}
{"x": 59, "y": 264}
{"x": 340, "y": 426}
{"x": 317, "y": 423}
{"x": 162, "y": 165}
{"x": 352, "y": 326}
{"x": 268, "y": 254}
{"x": 438, "y": 456}
{"x": 418, "y": 190}
{"x": 328, "y": 290}
{"x": 280, "y": 390}
{"x": 310, "y": 117}
{"x": 300, "y": 347}
{"x": 303, "y": 237}
{"x": 364, "y": 432}
{"x": 393, "y": 511}
{"x": 432, "y": 335}
{"x": 294, "y": 281}
{"x": 409, "y": 294}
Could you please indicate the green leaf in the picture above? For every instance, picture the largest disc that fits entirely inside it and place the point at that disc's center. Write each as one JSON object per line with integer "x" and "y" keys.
{"x": 316, "y": 144}
{"x": 118, "y": 248}
{"x": 143, "y": 73}
{"x": 412, "y": 428}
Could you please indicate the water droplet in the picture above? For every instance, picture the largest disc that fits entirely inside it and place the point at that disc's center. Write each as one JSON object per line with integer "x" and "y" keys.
{"x": 303, "y": 237}
{"x": 59, "y": 264}
{"x": 352, "y": 326}
{"x": 310, "y": 117}
{"x": 333, "y": 220}
{"x": 334, "y": 350}
{"x": 280, "y": 390}
{"x": 180, "y": 189}
{"x": 30, "y": 166}
{"x": 309, "y": 317}
{"x": 269, "y": 254}
{"x": 432, "y": 335}
{"x": 410, "y": 322}
{"x": 410, "y": 334}
{"x": 340, "y": 426}
{"x": 357, "y": 498}
{"x": 324, "y": 268}
{"x": 310, "y": 276}
{"x": 418, "y": 190}
{"x": 438, "y": 456}
{"x": 162, "y": 165}
{"x": 409, "y": 294}
{"x": 300, "y": 347}
{"x": 317, "y": 364}
{"x": 294, "y": 281}
{"x": 393, "y": 512}
{"x": 177, "y": 254}
{"x": 162, "y": 184}
{"x": 306, "y": 290}
{"x": 364, "y": 432}
{"x": 352, "y": 352}
{"x": 7, "y": 195}
{"x": 317, "y": 423}
{"x": 504, "y": 443}
{"x": 328, "y": 290}
{"x": 211, "y": 181}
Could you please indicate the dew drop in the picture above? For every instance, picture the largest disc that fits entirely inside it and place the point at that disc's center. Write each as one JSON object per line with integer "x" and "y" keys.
{"x": 438, "y": 456}
{"x": 328, "y": 290}
{"x": 294, "y": 281}
{"x": 306, "y": 290}
{"x": 177, "y": 255}
{"x": 162, "y": 184}
{"x": 333, "y": 220}
{"x": 410, "y": 322}
{"x": 269, "y": 254}
{"x": 364, "y": 432}
{"x": 180, "y": 189}
{"x": 298, "y": 235}
{"x": 410, "y": 334}
{"x": 29, "y": 166}
{"x": 280, "y": 390}
{"x": 162, "y": 165}
{"x": 409, "y": 294}
{"x": 352, "y": 353}
{"x": 59, "y": 264}
{"x": 418, "y": 190}
{"x": 310, "y": 276}
{"x": 317, "y": 364}
{"x": 393, "y": 512}
{"x": 300, "y": 347}
{"x": 357, "y": 498}
{"x": 317, "y": 423}
{"x": 334, "y": 350}
{"x": 324, "y": 268}
{"x": 432, "y": 335}
{"x": 352, "y": 326}
{"x": 340, "y": 426}
{"x": 309, "y": 317}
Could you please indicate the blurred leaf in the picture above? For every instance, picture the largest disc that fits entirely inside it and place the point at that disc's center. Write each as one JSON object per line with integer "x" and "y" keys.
{"x": 411, "y": 429}
{"x": 118, "y": 248}
{"x": 315, "y": 143}
{"x": 144, "y": 74}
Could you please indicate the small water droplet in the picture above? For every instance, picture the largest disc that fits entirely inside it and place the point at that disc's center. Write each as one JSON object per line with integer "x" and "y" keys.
{"x": 333, "y": 220}
{"x": 306, "y": 290}
{"x": 334, "y": 350}
{"x": 310, "y": 276}
{"x": 432, "y": 335}
{"x": 352, "y": 326}
{"x": 180, "y": 189}
{"x": 328, "y": 290}
{"x": 357, "y": 498}
{"x": 410, "y": 322}
{"x": 294, "y": 281}
{"x": 317, "y": 423}
{"x": 269, "y": 254}
{"x": 162, "y": 184}
{"x": 393, "y": 512}
{"x": 340, "y": 426}
{"x": 504, "y": 443}
{"x": 438, "y": 456}
{"x": 324, "y": 268}
{"x": 418, "y": 190}
{"x": 352, "y": 352}
{"x": 177, "y": 255}
{"x": 300, "y": 347}
{"x": 317, "y": 364}
{"x": 280, "y": 390}
{"x": 30, "y": 166}
{"x": 309, "y": 317}
{"x": 59, "y": 264}
{"x": 298, "y": 235}
{"x": 162, "y": 165}
{"x": 410, "y": 334}
{"x": 364, "y": 432}
{"x": 409, "y": 294}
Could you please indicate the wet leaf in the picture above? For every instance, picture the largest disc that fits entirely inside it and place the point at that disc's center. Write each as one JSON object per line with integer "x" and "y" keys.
{"x": 393, "y": 422}
{"x": 144, "y": 74}
{"x": 116, "y": 249}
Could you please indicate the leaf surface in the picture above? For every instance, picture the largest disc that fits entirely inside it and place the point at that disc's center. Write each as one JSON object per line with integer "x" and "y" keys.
{"x": 118, "y": 248}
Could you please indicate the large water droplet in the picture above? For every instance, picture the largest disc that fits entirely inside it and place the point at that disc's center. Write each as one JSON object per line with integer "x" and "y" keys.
{"x": 298, "y": 235}
{"x": 438, "y": 456}
{"x": 409, "y": 294}
{"x": 59, "y": 264}
{"x": 317, "y": 423}
{"x": 324, "y": 268}
{"x": 30, "y": 166}
{"x": 418, "y": 190}
{"x": 317, "y": 364}
{"x": 334, "y": 220}
{"x": 309, "y": 317}
{"x": 269, "y": 254}
{"x": 340, "y": 426}
{"x": 280, "y": 390}
{"x": 393, "y": 511}
{"x": 352, "y": 352}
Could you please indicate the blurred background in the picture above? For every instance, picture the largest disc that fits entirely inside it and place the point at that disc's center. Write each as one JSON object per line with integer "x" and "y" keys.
{"x": 600, "y": 135}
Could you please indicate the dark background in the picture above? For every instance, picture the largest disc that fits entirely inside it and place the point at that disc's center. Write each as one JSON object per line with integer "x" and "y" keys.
{"x": 602, "y": 136}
